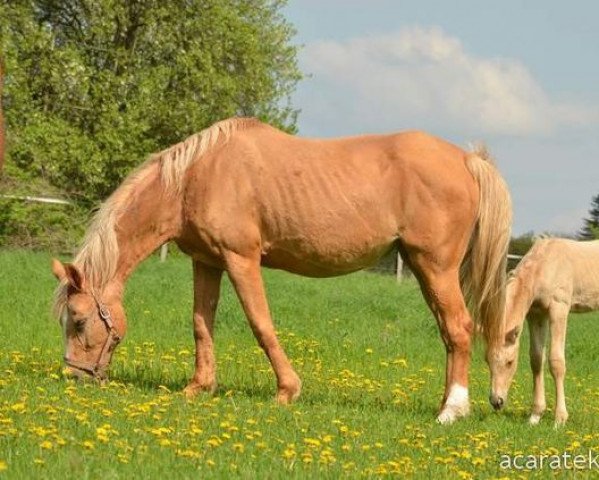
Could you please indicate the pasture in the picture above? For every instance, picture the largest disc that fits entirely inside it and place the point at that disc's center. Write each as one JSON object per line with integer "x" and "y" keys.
{"x": 368, "y": 352}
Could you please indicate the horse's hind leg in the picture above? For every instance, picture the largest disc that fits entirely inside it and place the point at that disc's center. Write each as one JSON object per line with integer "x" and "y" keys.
{"x": 537, "y": 327}
{"x": 558, "y": 318}
{"x": 442, "y": 291}
{"x": 247, "y": 279}
{"x": 206, "y": 290}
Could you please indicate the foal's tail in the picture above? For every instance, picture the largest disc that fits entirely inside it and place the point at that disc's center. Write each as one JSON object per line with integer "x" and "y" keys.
{"x": 483, "y": 272}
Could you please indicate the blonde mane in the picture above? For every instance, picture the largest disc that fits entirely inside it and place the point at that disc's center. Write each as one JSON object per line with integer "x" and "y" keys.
{"x": 99, "y": 252}
{"x": 530, "y": 260}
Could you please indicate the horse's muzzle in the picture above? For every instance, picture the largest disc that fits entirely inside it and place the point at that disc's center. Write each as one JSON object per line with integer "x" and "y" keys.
{"x": 497, "y": 401}
{"x": 73, "y": 373}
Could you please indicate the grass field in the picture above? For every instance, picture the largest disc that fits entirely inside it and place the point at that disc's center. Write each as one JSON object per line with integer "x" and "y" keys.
{"x": 368, "y": 352}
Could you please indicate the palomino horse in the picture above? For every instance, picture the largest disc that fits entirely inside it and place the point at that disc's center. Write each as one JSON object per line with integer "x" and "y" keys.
{"x": 242, "y": 194}
{"x": 556, "y": 277}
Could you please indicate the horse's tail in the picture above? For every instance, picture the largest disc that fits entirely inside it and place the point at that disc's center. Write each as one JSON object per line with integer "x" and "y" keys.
{"x": 483, "y": 272}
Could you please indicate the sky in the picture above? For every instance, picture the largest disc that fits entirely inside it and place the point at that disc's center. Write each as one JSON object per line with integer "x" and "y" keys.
{"x": 520, "y": 76}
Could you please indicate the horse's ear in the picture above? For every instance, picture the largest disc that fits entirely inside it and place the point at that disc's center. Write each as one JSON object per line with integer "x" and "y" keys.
{"x": 58, "y": 270}
{"x": 69, "y": 273}
{"x": 74, "y": 276}
{"x": 512, "y": 336}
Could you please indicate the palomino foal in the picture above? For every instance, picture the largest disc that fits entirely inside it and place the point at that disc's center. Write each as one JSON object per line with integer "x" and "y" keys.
{"x": 556, "y": 277}
{"x": 241, "y": 195}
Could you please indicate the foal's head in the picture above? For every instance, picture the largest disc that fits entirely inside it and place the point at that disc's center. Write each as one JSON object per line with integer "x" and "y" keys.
{"x": 93, "y": 322}
{"x": 502, "y": 356}
{"x": 503, "y": 362}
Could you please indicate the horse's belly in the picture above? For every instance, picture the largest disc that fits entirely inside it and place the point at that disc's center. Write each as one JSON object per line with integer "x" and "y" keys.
{"x": 585, "y": 298}
{"x": 312, "y": 261}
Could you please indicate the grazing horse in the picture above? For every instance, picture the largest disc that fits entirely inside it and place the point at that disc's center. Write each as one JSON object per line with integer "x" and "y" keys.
{"x": 242, "y": 194}
{"x": 556, "y": 277}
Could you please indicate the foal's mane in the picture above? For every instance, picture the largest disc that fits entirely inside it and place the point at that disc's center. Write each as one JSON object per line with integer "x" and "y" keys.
{"x": 525, "y": 268}
{"x": 99, "y": 252}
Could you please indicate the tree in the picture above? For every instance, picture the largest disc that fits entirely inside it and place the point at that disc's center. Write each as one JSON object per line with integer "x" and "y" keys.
{"x": 590, "y": 229}
{"x": 94, "y": 86}
{"x": 1, "y": 119}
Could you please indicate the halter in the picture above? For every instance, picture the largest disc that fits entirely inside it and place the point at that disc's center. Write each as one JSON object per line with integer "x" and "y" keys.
{"x": 98, "y": 370}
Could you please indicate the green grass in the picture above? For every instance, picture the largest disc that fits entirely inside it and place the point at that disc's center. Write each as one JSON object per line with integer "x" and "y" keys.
{"x": 368, "y": 352}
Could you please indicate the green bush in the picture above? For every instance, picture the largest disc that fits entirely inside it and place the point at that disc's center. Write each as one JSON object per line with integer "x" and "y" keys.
{"x": 25, "y": 223}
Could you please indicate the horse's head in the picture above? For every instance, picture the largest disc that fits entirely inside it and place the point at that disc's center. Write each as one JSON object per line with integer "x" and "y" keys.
{"x": 93, "y": 322}
{"x": 502, "y": 358}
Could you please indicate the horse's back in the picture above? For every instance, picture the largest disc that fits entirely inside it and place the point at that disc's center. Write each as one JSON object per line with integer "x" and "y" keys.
{"x": 568, "y": 272}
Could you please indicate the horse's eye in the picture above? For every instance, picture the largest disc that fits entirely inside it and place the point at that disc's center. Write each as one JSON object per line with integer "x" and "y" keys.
{"x": 77, "y": 319}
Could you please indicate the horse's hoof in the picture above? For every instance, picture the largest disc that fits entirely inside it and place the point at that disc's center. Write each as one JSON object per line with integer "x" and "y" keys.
{"x": 534, "y": 419}
{"x": 289, "y": 392}
{"x": 560, "y": 419}
{"x": 450, "y": 415}
{"x": 193, "y": 389}
{"x": 456, "y": 406}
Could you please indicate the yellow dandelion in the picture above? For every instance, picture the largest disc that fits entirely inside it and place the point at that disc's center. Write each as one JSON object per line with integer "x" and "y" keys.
{"x": 288, "y": 454}
{"x": 18, "y": 407}
{"x": 46, "y": 445}
{"x": 214, "y": 442}
{"x": 89, "y": 444}
{"x": 307, "y": 457}
{"x": 3, "y": 466}
{"x": 238, "y": 447}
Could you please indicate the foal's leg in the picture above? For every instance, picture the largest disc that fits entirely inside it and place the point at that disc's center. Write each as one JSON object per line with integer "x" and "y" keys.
{"x": 206, "y": 291}
{"x": 558, "y": 317}
{"x": 247, "y": 280}
{"x": 444, "y": 296}
{"x": 537, "y": 327}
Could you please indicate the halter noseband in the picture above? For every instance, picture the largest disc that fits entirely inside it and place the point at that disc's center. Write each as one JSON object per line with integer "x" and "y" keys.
{"x": 98, "y": 370}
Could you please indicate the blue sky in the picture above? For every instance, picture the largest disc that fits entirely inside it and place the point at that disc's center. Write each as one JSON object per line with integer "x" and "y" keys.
{"x": 521, "y": 76}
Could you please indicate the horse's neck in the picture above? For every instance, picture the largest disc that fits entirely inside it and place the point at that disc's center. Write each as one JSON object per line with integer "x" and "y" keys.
{"x": 149, "y": 220}
{"x": 521, "y": 293}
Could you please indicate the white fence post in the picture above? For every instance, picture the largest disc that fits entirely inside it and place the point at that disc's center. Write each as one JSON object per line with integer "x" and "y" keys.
{"x": 163, "y": 252}
{"x": 399, "y": 268}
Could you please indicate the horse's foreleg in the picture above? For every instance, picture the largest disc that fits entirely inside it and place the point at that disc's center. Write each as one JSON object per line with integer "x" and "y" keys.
{"x": 206, "y": 293}
{"x": 558, "y": 318}
{"x": 537, "y": 327}
{"x": 247, "y": 279}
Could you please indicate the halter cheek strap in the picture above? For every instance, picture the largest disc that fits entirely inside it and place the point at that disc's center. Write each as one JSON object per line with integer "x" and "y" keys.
{"x": 98, "y": 369}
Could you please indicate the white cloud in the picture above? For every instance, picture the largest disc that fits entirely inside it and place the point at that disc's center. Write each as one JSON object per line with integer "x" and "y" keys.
{"x": 424, "y": 78}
